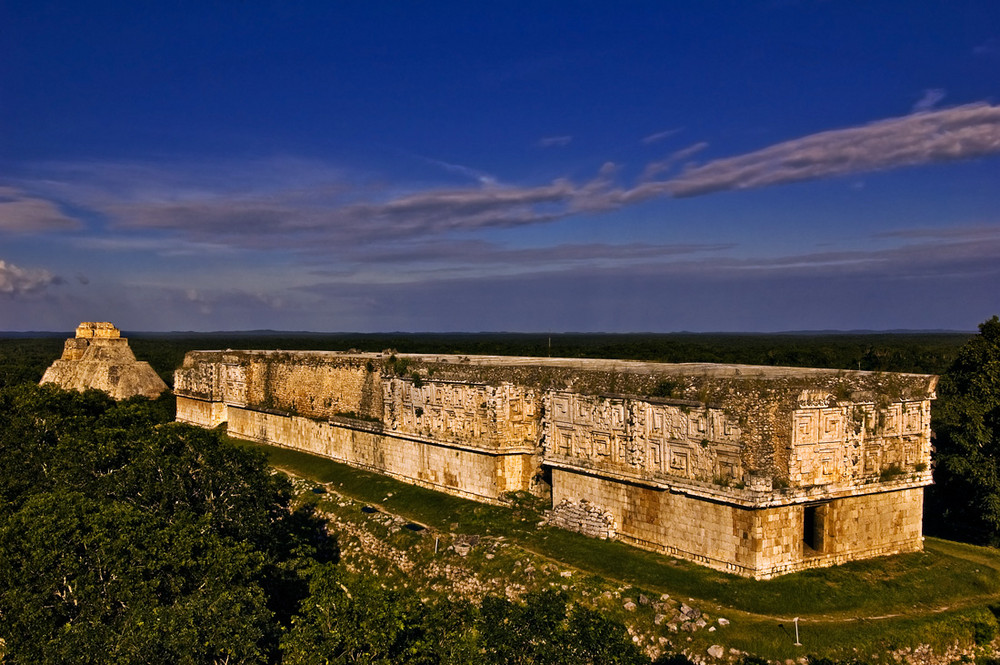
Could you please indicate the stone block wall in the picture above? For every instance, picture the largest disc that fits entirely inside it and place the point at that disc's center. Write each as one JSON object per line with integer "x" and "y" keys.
{"x": 754, "y": 542}
{"x": 200, "y": 412}
{"x": 752, "y": 470}
{"x": 484, "y": 475}
{"x": 714, "y": 534}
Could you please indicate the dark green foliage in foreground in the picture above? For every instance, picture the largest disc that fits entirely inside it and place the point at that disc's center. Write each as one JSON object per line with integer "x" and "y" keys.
{"x": 678, "y": 659}
{"x": 965, "y": 503}
{"x": 126, "y": 538}
{"x": 351, "y": 619}
{"x": 541, "y": 631}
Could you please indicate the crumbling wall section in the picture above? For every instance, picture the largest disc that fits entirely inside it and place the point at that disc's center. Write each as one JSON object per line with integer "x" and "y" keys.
{"x": 582, "y": 517}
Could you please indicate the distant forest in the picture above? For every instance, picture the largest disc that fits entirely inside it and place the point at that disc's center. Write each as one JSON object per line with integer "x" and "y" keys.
{"x": 178, "y": 546}
{"x": 25, "y": 358}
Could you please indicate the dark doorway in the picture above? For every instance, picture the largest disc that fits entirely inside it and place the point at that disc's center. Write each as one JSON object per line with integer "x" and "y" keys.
{"x": 813, "y": 519}
{"x": 809, "y": 526}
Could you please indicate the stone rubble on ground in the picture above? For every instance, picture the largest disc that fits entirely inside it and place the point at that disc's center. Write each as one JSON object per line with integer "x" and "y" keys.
{"x": 582, "y": 517}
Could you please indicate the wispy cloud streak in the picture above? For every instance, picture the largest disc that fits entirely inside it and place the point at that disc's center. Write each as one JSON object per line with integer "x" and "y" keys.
{"x": 929, "y": 100}
{"x": 965, "y": 132}
{"x": 479, "y": 253}
{"x": 656, "y": 137}
{"x": 554, "y": 141}
{"x": 655, "y": 168}
{"x": 22, "y": 213}
{"x": 328, "y": 212}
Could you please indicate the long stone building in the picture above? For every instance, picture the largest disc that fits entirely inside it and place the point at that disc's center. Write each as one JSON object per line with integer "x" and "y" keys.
{"x": 758, "y": 471}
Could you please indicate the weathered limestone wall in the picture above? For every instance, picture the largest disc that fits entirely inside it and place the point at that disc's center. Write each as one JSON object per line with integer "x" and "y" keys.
{"x": 199, "y": 412}
{"x": 754, "y": 470}
{"x": 462, "y": 413}
{"x": 847, "y": 443}
{"x": 314, "y": 389}
{"x": 472, "y": 440}
{"x": 468, "y": 471}
{"x": 663, "y": 521}
{"x": 761, "y": 542}
{"x": 643, "y": 437}
{"x": 848, "y": 529}
{"x": 831, "y": 443}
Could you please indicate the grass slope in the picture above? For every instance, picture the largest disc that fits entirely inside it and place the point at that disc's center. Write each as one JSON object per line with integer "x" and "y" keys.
{"x": 939, "y": 596}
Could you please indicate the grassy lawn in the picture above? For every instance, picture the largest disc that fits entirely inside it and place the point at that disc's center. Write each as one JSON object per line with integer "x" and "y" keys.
{"x": 935, "y": 596}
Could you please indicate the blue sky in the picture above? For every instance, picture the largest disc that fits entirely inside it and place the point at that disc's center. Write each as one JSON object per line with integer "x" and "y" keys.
{"x": 543, "y": 166}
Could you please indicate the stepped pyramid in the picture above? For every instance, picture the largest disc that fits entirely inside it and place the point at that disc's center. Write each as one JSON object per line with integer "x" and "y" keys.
{"x": 99, "y": 357}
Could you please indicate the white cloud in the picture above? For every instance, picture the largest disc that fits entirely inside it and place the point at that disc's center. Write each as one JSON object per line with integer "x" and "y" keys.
{"x": 324, "y": 210}
{"x": 16, "y": 281}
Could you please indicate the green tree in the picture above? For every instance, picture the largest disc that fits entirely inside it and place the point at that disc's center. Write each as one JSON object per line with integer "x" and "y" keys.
{"x": 128, "y": 538}
{"x": 543, "y": 630}
{"x": 92, "y": 581}
{"x": 966, "y": 419}
{"x": 364, "y": 623}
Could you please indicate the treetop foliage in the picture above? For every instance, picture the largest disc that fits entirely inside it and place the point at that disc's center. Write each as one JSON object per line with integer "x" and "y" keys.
{"x": 966, "y": 421}
{"x": 127, "y": 539}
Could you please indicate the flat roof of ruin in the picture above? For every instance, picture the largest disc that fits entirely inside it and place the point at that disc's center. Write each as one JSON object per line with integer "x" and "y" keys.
{"x": 719, "y": 370}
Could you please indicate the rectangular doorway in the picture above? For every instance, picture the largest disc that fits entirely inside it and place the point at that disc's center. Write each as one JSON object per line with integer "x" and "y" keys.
{"x": 814, "y": 528}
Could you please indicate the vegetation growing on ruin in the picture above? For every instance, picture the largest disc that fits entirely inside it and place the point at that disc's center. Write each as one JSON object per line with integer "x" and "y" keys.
{"x": 937, "y": 596}
{"x": 353, "y": 415}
